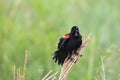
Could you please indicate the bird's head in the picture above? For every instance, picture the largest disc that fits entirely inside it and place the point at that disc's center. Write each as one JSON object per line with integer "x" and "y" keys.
{"x": 75, "y": 31}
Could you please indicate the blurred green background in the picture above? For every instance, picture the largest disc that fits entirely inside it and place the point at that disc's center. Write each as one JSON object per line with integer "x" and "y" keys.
{"x": 36, "y": 26}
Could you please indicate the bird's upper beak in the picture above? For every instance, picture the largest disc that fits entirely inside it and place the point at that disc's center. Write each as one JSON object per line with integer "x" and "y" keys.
{"x": 76, "y": 30}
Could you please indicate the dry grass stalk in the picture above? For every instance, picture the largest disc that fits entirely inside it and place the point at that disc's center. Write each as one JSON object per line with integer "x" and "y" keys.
{"x": 69, "y": 63}
{"x": 53, "y": 78}
{"x": 50, "y": 77}
{"x": 17, "y": 74}
{"x": 25, "y": 63}
{"x": 102, "y": 69}
{"x": 47, "y": 75}
{"x": 14, "y": 73}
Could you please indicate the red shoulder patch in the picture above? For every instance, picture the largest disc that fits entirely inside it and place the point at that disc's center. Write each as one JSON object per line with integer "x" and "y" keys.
{"x": 66, "y": 36}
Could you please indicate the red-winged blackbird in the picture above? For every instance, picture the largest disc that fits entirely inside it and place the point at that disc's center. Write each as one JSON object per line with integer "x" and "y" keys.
{"x": 67, "y": 44}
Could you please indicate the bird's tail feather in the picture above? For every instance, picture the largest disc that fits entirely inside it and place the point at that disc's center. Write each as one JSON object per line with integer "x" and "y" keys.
{"x": 59, "y": 56}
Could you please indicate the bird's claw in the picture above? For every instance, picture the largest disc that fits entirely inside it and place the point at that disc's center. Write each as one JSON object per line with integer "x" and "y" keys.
{"x": 73, "y": 60}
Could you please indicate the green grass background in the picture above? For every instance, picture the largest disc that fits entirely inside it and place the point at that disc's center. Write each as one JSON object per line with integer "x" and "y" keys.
{"x": 36, "y": 26}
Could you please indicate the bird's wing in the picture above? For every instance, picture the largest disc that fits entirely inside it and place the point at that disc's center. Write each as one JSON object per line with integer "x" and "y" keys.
{"x": 63, "y": 40}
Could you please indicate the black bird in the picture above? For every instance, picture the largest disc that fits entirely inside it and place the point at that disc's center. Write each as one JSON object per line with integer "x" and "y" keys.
{"x": 67, "y": 44}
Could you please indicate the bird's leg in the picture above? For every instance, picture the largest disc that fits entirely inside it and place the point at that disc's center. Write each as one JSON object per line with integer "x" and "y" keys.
{"x": 77, "y": 53}
{"x": 69, "y": 55}
{"x": 71, "y": 58}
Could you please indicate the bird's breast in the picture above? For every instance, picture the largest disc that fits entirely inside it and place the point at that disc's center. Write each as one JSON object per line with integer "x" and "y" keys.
{"x": 73, "y": 43}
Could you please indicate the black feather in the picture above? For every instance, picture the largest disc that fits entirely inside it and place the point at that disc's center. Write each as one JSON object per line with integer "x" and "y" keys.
{"x": 61, "y": 43}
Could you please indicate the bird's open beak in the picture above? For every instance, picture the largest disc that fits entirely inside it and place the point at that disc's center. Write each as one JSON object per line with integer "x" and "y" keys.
{"x": 76, "y": 33}
{"x": 76, "y": 30}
